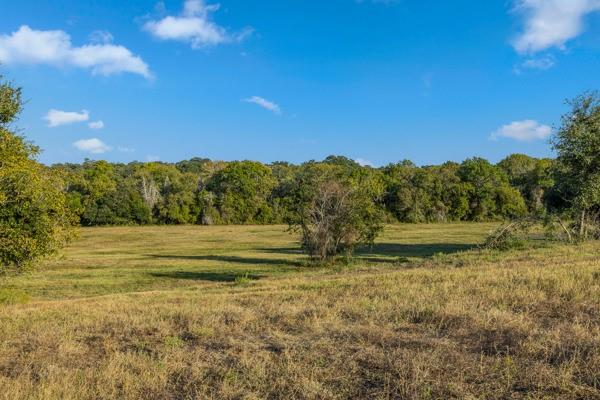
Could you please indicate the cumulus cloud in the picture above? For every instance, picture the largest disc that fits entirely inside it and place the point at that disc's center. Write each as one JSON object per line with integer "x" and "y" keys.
{"x": 96, "y": 125}
{"x": 94, "y": 146}
{"x": 264, "y": 103}
{"x": 551, "y": 23}
{"x": 526, "y": 130}
{"x": 57, "y": 117}
{"x": 194, "y": 26}
{"x": 29, "y": 46}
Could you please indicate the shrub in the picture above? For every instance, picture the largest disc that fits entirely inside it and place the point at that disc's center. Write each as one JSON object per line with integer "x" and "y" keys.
{"x": 512, "y": 235}
{"x": 337, "y": 219}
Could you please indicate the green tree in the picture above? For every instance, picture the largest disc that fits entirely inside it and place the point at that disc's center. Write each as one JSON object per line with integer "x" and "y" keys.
{"x": 577, "y": 145}
{"x": 335, "y": 208}
{"x": 531, "y": 176}
{"x": 490, "y": 194}
{"x": 34, "y": 218}
{"x": 170, "y": 194}
{"x": 242, "y": 191}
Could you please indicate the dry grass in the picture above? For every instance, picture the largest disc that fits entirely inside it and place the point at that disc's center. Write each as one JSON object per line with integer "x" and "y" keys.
{"x": 232, "y": 312}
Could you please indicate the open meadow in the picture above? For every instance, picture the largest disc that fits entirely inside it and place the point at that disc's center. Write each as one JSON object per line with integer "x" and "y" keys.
{"x": 168, "y": 312}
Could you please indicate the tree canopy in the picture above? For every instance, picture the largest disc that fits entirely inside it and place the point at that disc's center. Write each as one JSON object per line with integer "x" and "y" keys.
{"x": 577, "y": 145}
{"x": 34, "y": 218}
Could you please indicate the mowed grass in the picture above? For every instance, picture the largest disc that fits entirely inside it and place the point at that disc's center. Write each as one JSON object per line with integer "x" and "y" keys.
{"x": 236, "y": 312}
{"x": 130, "y": 259}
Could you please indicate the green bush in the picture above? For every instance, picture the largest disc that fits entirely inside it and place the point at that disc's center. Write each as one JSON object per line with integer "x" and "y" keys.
{"x": 35, "y": 220}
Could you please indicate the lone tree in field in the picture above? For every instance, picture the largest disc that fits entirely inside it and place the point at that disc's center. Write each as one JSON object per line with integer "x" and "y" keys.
{"x": 577, "y": 144}
{"x": 335, "y": 212}
{"x": 34, "y": 218}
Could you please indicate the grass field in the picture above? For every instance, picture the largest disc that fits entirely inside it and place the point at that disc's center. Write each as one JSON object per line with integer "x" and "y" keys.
{"x": 236, "y": 312}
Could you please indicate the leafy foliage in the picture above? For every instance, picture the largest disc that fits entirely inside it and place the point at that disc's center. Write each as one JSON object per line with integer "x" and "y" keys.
{"x": 34, "y": 218}
{"x": 577, "y": 144}
{"x": 201, "y": 191}
{"x": 336, "y": 207}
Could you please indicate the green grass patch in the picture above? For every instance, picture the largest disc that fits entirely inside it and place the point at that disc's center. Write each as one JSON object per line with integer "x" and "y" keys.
{"x": 13, "y": 296}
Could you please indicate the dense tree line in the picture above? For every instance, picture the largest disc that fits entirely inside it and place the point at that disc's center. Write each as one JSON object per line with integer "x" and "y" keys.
{"x": 201, "y": 191}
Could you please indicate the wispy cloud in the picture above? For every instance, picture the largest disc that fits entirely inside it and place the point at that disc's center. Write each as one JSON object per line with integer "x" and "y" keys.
{"x": 545, "y": 62}
{"x": 29, "y": 46}
{"x": 101, "y": 37}
{"x": 96, "y": 125}
{"x": 94, "y": 146}
{"x": 551, "y": 23}
{"x": 526, "y": 130}
{"x": 535, "y": 63}
{"x": 264, "y": 103}
{"x": 57, "y": 117}
{"x": 194, "y": 26}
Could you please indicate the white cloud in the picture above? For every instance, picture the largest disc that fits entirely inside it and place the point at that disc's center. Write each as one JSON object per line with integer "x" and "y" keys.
{"x": 57, "y": 117}
{"x": 29, "y": 46}
{"x": 152, "y": 158}
{"x": 126, "y": 149}
{"x": 101, "y": 37}
{"x": 535, "y": 63}
{"x": 96, "y": 125}
{"x": 546, "y": 62}
{"x": 264, "y": 103}
{"x": 194, "y": 26}
{"x": 94, "y": 146}
{"x": 551, "y": 23}
{"x": 526, "y": 130}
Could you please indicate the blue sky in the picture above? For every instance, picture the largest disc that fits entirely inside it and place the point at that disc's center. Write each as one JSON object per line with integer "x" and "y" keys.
{"x": 378, "y": 81}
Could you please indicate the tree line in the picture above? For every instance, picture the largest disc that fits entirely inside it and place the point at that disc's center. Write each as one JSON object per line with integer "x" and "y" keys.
{"x": 201, "y": 191}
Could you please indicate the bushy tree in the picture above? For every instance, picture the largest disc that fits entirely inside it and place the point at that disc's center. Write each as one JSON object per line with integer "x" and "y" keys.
{"x": 577, "y": 145}
{"x": 34, "y": 218}
{"x": 335, "y": 208}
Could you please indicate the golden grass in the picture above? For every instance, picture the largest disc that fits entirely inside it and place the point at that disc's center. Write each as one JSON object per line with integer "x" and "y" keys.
{"x": 232, "y": 312}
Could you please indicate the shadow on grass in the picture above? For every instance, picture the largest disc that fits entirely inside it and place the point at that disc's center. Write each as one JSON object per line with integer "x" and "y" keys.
{"x": 282, "y": 250}
{"x": 204, "y": 276}
{"x": 413, "y": 250}
{"x": 380, "y": 252}
{"x": 232, "y": 259}
{"x": 390, "y": 250}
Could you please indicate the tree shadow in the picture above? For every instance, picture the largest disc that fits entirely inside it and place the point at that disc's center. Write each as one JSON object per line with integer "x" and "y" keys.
{"x": 379, "y": 250}
{"x": 232, "y": 259}
{"x": 378, "y": 253}
{"x": 204, "y": 276}
{"x": 281, "y": 250}
{"x": 413, "y": 250}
